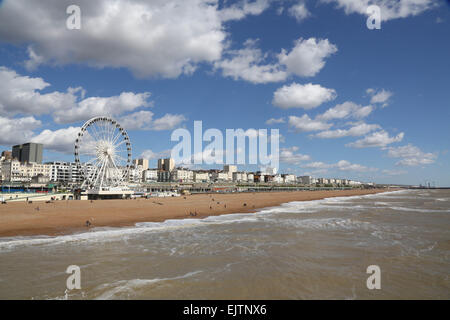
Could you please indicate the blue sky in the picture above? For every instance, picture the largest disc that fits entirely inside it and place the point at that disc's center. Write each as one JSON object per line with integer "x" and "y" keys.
{"x": 224, "y": 64}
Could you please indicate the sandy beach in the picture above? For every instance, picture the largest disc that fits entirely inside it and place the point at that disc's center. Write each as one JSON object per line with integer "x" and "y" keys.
{"x": 63, "y": 217}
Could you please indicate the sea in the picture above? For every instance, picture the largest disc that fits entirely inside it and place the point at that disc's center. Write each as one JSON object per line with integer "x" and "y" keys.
{"x": 322, "y": 249}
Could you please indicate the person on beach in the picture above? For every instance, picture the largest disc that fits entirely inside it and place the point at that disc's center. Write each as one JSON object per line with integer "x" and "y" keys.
{"x": 88, "y": 223}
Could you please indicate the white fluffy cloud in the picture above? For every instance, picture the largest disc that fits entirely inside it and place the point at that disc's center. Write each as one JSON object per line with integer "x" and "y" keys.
{"x": 317, "y": 165}
{"x": 379, "y": 97}
{"x": 61, "y": 140}
{"x": 307, "y": 57}
{"x": 377, "y": 139}
{"x": 143, "y": 120}
{"x": 299, "y": 11}
{"x": 248, "y": 64}
{"x": 306, "y": 96}
{"x": 305, "y": 123}
{"x": 168, "y": 122}
{"x": 342, "y": 165}
{"x": 411, "y": 155}
{"x": 17, "y": 130}
{"x": 345, "y": 110}
{"x": 150, "y": 154}
{"x": 243, "y": 8}
{"x": 99, "y": 106}
{"x": 21, "y": 95}
{"x": 356, "y": 130}
{"x": 275, "y": 121}
{"x": 389, "y": 9}
{"x": 291, "y": 156}
{"x": 140, "y": 120}
{"x": 164, "y": 38}
{"x": 345, "y": 165}
{"x": 151, "y": 38}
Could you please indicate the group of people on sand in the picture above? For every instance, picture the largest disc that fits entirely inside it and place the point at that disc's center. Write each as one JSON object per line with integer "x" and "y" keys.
{"x": 193, "y": 214}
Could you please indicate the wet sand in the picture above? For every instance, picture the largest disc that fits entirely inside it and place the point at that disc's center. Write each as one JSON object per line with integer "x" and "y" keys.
{"x": 64, "y": 217}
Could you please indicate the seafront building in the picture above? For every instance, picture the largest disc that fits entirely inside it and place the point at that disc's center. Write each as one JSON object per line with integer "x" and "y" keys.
{"x": 150, "y": 176}
{"x": 28, "y": 152}
{"x": 219, "y": 176}
{"x": 64, "y": 172}
{"x": 289, "y": 178}
{"x": 24, "y": 165}
{"x": 182, "y": 175}
{"x": 229, "y": 170}
{"x": 166, "y": 164}
{"x": 240, "y": 177}
{"x": 201, "y": 176}
{"x": 14, "y": 171}
{"x": 143, "y": 163}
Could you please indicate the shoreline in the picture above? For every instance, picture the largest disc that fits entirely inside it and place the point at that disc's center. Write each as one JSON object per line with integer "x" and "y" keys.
{"x": 68, "y": 217}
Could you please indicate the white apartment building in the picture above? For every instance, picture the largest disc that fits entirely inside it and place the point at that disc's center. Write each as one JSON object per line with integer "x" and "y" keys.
{"x": 14, "y": 171}
{"x": 229, "y": 169}
{"x": 135, "y": 173}
{"x": 221, "y": 176}
{"x": 240, "y": 177}
{"x": 11, "y": 171}
{"x": 140, "y": 162}
{"x": 164, "y": 176}
{"x": 64, "y": 172}
{"x": 304, "y": 179}
{"x": 166, "y": 164}
{"x": 201, "y": 176}
{"x": 277, "y": 179}
{"x": 150, "y": 175}
{"x": 289, "y": 178}
{"x": 182, "y": 175}
{"x": 1, "y": 164}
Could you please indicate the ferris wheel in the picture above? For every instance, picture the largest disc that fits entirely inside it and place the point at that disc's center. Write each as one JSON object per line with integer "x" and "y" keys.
{"x": 103, "y": 154}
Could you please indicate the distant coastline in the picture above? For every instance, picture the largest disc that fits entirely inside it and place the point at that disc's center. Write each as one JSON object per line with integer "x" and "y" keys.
{"x": 65, "y": 217}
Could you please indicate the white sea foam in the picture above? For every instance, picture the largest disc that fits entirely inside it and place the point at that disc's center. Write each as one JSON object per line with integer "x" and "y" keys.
{"x": 330, "y": 224}
{"x": 416, "y": 210}
{"x": 111, "y": 234}
{"x": 119, "y": 288}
